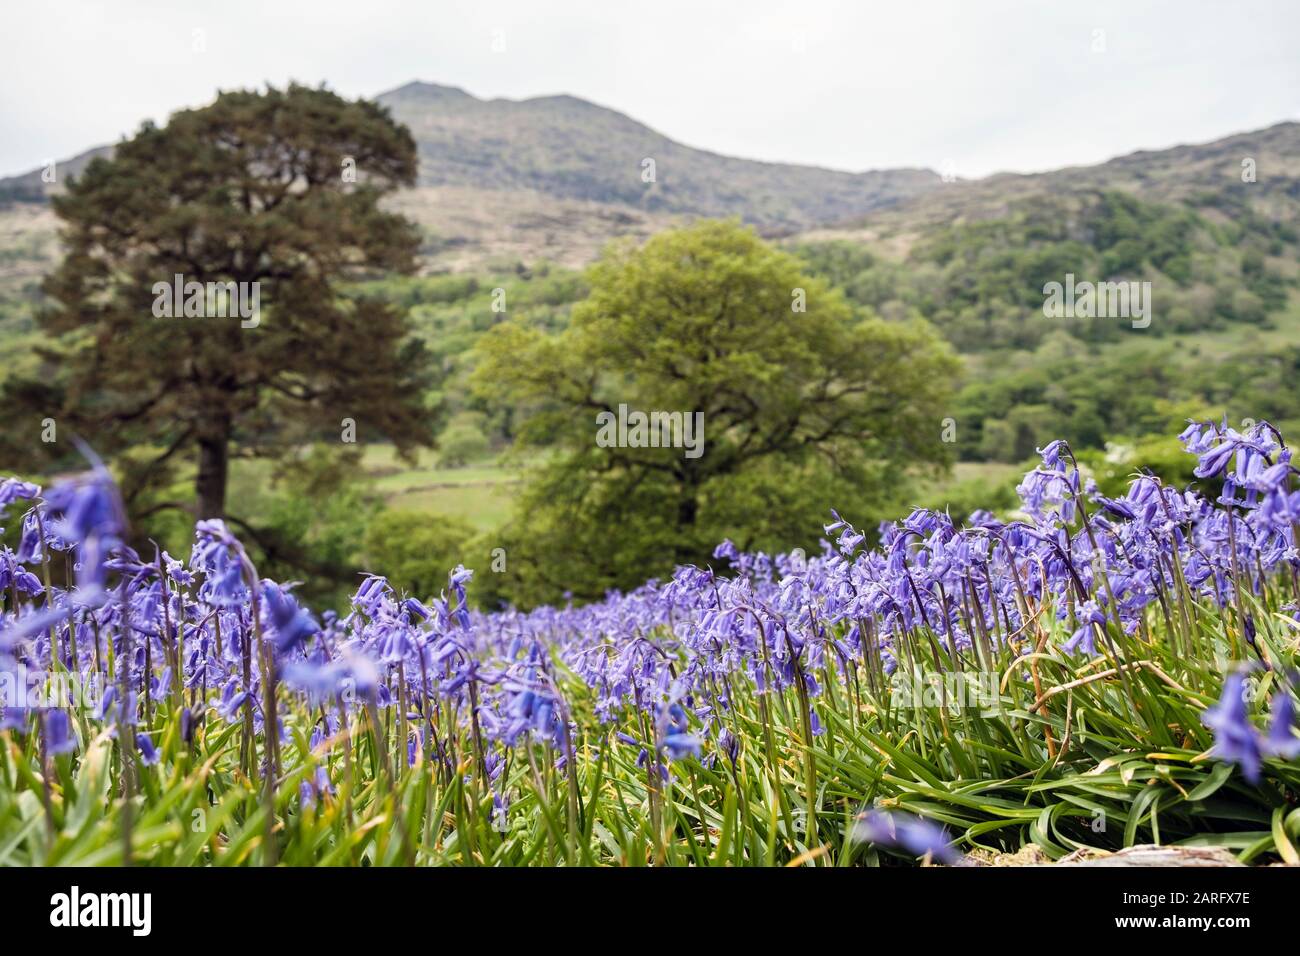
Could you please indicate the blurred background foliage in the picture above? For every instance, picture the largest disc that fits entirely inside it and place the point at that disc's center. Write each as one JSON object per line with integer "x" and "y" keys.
{"x": 508, "y": 467}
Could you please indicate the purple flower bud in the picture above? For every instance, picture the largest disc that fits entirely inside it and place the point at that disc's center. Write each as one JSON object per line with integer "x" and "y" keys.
{"x": 1282, "y": 740}
{"x": 905, "y": 832}
{"x": 1235, "y": 739}
{"x": 148, "y": 753}
{"x": 58, "y": 736}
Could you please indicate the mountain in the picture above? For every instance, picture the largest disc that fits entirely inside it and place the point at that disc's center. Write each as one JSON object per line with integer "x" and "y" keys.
{"x": 1204, "y": 174}
{"x": 570, "y": 149}
{"x": 32, "y": 186}
{"x": 555, "y": 178}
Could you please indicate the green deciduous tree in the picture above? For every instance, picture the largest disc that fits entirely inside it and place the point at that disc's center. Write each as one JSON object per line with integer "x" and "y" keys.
{"x": 806, "y": 405}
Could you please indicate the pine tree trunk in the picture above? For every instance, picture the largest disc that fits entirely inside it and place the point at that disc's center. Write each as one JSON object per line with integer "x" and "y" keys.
{"x": 688, "y": 508}
{"x": 214, "y": 465}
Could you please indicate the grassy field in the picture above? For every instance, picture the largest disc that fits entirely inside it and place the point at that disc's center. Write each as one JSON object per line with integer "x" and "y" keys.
{"x": 481, "y": 494}
{"x": 484, "y": 493}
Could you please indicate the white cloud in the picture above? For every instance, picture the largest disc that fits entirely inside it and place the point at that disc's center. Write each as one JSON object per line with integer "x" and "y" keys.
{"x": 995, "y": 85}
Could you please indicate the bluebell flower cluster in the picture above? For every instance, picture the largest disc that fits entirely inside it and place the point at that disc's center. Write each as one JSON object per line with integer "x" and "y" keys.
{"x": 204, "y": 636}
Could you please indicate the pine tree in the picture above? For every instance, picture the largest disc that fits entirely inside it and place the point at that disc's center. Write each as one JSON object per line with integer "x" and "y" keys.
{"x": 276, "y": 192}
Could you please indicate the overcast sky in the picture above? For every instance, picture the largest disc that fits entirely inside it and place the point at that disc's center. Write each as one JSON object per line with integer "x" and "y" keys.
{"x": 976, "y": 86}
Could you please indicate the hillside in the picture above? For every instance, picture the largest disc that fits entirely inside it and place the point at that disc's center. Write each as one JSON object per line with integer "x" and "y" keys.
{"x": 1184, "y": 173}
{"x": 1220, "y": 255}
{"x": 551, "y": 177}
{"x": 557, "y": 177}
{"x": 568, "y": 148}
{"x": 504, "y": 185}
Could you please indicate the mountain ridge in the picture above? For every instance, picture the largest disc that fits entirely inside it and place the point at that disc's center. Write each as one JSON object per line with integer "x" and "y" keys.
{"x": 556, "y": 177}
{"x": 572, "y": 149}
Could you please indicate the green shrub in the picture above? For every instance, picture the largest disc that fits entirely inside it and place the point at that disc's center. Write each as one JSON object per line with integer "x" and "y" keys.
{"x": 415, "y": 550}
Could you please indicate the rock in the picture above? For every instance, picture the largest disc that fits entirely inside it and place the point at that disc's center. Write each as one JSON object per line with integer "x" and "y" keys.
{"x": 1144, "y": 855}
{"x": 1152, "y": 855}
